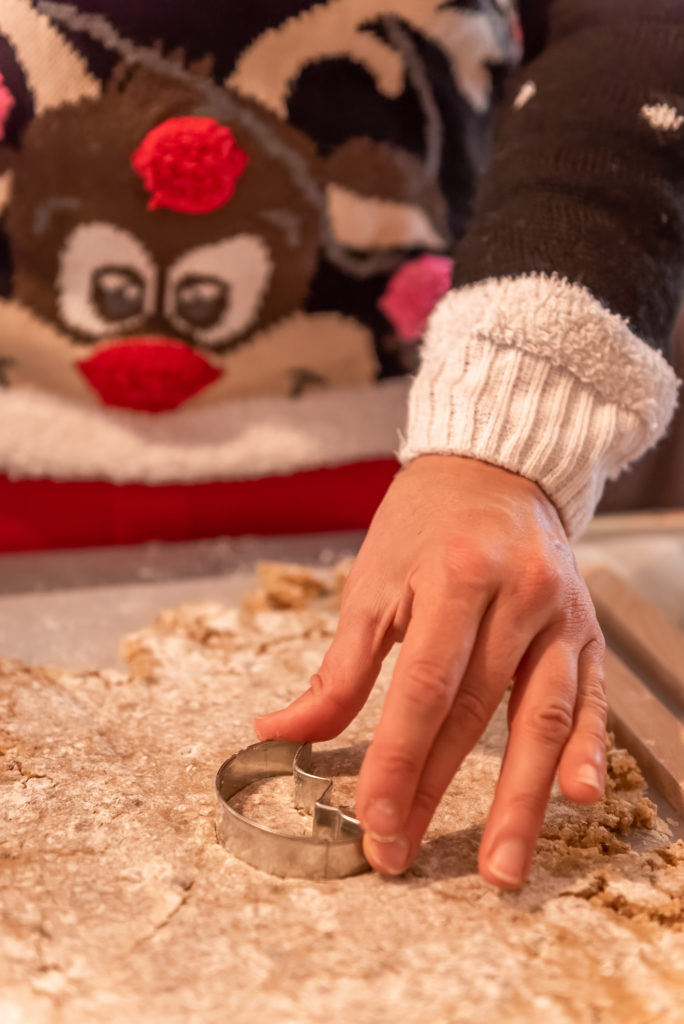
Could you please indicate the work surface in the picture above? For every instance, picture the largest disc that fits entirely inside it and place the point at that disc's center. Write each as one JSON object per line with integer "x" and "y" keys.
{"x": 117, "y": 903}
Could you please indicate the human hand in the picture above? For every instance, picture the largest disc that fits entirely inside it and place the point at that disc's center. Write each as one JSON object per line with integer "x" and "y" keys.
{"x": 470, "y": 567}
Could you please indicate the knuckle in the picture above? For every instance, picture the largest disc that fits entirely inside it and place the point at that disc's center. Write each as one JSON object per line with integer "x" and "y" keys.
{"x": 425, "y": 802}
{"x": 393, "y": 762}
{"x": 543, "y": 580}
{"x": 326, "y": 691}
{"x": 540, "y": 583}
{"x": 578, "y": 609}
{"x": 595, "y": 650}
{"x": 454, "y": 560}
{"x": 595, "y": 729}
{"x": 550, "y": 723}
{"x": 527, "y": 804}
{"x": 428, "y": 684}
{"x": 471, "y": 709}
{"x": 595, "y": 702}
{"x": 577, "y": 621}
{"x": 465, "y": 562}
{"x": 361, "y": 614}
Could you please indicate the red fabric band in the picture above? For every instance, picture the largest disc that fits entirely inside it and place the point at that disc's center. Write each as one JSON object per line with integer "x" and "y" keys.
{"x": 40, "y": 514}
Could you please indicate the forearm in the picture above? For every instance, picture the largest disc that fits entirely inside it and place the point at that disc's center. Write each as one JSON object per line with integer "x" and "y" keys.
{"x": 544, "y": 358}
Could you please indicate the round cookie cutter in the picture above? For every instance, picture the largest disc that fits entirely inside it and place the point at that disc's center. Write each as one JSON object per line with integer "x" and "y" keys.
{"x": 334, "y": 848}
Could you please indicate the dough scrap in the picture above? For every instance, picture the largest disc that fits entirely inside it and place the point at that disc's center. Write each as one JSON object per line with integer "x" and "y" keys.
{"x": 283, "y": 585}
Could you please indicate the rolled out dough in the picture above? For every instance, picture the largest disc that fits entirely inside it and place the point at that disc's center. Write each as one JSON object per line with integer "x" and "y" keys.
{"x": 117, "y": 904}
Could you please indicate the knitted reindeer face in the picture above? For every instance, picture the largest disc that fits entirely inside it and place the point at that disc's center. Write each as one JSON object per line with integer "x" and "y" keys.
{"x": 165, "y": 231}
{"x": 163, "y": 241}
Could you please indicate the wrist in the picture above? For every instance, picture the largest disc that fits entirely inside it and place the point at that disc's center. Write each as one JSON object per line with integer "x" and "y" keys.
{"x": 469, "y": 474}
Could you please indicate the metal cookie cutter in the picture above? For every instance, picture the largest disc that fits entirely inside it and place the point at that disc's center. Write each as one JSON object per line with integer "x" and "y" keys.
{"x": 334, "y": 848}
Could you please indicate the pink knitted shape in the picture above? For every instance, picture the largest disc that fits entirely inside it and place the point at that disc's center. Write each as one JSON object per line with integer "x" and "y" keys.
{"x": 6, "y": 106}
{"x": 412, "y": 293}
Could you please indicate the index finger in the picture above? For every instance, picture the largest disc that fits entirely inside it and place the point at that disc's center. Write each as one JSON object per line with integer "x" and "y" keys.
{"x": 340, "y": 688}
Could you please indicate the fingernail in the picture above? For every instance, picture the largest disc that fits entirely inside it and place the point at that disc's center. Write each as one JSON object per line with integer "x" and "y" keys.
{"x": 381, "y": 820}
{"x": 390, "y": 857}
{"x": 261, "y": 727}
{"x": 508, "y": 861}
{"x": 588, "y": 774}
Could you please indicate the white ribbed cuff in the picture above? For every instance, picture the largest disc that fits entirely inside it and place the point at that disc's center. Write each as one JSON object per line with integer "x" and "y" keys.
{"x": 535, "y": 375}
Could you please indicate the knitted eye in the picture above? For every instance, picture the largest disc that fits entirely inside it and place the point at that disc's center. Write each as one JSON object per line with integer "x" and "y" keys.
{"x": 214, "y": 292}
{"x": 117, "y": 292}
{"x": 200, "y": 301}
{"x": 106, "y": 282}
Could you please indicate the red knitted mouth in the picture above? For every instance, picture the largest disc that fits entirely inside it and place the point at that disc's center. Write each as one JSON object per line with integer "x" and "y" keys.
{"x": 147, "y": 374}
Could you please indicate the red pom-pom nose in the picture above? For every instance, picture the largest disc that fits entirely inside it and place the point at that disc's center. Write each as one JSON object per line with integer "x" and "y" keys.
{"x": 189, "y": 164}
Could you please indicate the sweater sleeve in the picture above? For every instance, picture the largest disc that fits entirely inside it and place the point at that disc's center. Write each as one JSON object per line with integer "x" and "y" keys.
{"x": 549, "y": 356}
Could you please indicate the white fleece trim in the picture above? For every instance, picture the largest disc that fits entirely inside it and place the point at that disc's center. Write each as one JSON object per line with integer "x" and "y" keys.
{"x": 535, "y": 375}
{"x": 43, "y": 435}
